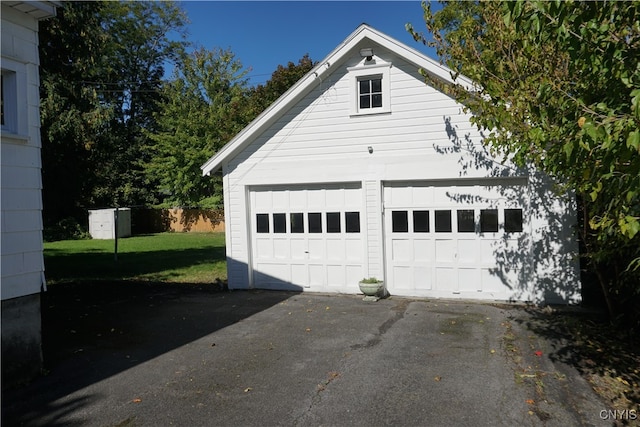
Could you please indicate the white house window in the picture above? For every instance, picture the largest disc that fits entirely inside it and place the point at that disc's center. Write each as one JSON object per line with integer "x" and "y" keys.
{"x": 370, "y": 88}
{"x": 14, "y": 98}
{"x": 2, "y": 100}
{"x": 370, "y": 92}
{"x": 9, "y": 102}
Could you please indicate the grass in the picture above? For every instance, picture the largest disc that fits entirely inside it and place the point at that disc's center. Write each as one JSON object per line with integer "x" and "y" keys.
{"x": 164, "y": 257}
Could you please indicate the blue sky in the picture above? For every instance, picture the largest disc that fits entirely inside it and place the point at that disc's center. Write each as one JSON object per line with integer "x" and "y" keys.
{"x": 265, "y": 34}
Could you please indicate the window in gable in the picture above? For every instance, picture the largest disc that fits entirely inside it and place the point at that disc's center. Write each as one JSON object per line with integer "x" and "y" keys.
{"x": 370, "y": 92}
{"x": 370, "y": 87}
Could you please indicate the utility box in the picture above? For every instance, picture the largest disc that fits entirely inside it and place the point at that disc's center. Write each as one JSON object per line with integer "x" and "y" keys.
{"x": 102, "y": 223}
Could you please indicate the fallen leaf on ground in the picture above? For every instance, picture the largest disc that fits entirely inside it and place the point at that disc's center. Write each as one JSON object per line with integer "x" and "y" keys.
{"x": 334, "y": 374}
{"x": 308, "y": 330}
{"x": 137, "y": 400}
{"x": 538, "y": 353}
{"x": 622, "y": 380}
{"x": 492, "y": 351}
{"x": 437, "y": 378}
{"x": 530, "y": 401}
{"x": 248, "y": 389}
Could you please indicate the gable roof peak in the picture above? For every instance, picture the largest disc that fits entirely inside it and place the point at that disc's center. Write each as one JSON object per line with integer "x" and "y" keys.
{"x": 317, "y": 75}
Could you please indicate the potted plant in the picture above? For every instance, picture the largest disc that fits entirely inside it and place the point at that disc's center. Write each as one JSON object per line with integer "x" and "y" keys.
{"x": 372, "y": 288}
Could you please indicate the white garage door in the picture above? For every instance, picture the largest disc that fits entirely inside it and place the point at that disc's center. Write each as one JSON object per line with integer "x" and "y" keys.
{"x": 307, "y": 238}
{"x": 455, "y": 241}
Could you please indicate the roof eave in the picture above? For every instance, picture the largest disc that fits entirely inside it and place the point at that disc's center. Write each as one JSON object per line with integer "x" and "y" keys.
{"x": 305, "y": 83}
{"x": 36, "y": 9}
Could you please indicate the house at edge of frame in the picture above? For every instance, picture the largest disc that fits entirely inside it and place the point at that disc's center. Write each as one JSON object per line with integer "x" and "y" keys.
{"x": 22, "y": 260}
{"x": 363, "y": 170}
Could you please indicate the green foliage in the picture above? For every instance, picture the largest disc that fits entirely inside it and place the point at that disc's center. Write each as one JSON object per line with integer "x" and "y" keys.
{"x": 559, "y": 88}
{"x": 114, "y": 132}
{"x": 72, "y": 114}
{"x": 262, "y": 96}
{"x": 202, "y": 109}
{"x": 66, "y": 229}
{"x": 206, "y": 103}
{"x": 370, "y": 280}
{"x": 136, "y": 55}
{"x": 102, "y": 65}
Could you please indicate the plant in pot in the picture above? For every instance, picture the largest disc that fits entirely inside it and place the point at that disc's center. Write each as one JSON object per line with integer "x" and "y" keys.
{"x": 372, "y": 288}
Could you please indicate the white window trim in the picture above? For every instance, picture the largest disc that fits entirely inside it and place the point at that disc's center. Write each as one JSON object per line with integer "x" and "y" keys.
{"x": 377, "y": 70}
{"x": 14, "y": 95}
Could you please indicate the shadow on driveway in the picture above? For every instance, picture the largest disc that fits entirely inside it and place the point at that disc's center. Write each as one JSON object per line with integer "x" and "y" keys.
{"x": 92, "y": 331}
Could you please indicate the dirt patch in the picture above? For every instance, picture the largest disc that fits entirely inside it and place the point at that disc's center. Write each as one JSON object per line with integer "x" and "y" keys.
{"x": 609, "y": 359}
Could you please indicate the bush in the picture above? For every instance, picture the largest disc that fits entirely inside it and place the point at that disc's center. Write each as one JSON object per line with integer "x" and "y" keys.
{"x": 66, "y": 229}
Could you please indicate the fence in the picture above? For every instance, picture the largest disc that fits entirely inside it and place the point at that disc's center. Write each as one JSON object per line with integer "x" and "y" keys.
{"x": 147, "y": 220}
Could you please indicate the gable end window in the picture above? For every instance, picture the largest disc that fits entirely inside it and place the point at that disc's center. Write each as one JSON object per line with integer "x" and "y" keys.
{"x": 370, "y": 89}
{"x": 370, "y": 92}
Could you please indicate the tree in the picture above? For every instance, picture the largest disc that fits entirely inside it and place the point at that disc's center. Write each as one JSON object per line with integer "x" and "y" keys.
{"x": 203, "y": 107}
{"x": 102, "y": 65}
{"x": 207, "y": 102}
{"x": 560, "y": 89}
{"x": 262, "y": 96}
{"x": 72, "y": 113}
{"x": 139, "y": 45}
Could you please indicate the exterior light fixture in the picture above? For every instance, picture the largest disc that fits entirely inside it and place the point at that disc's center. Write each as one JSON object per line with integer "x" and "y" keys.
{"x": 370, "y": 148}
{"x": 367, "y": 52}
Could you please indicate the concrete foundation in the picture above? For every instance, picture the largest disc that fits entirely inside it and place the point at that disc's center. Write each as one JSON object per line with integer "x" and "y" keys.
{"x": 21, "y": 339}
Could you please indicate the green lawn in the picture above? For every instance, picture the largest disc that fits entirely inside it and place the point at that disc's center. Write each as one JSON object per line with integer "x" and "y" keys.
{"x": 164, "y": 257}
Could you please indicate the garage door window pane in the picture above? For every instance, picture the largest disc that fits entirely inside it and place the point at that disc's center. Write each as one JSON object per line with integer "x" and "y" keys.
{"x": 297, "y": 222}
{"x": 489, "y": 220}
{"x": 262, "y": 223}
{"x": 333, "y": 222}
{"x": 399, "y": 222}
{"x": 513, "y": 220}
{"x": 315, "y": 222}
{"x": 466, "y": 222}
{"x": 420, "y": 221}
{"x": 443, "y": 221}
{"x": 352, "y": 222}
{"x": 279, "y": 223}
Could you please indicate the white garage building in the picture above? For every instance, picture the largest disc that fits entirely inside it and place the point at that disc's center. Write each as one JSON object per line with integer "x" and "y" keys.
{"x": 363, "y": 170}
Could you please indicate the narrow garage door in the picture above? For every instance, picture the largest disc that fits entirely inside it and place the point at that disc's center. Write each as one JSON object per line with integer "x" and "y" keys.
{"x": 453, "y": 240}
{"x": 307, "y": 238}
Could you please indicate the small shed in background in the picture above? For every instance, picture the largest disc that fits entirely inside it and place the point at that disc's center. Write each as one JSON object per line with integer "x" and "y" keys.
{"x": 102, "y": 223}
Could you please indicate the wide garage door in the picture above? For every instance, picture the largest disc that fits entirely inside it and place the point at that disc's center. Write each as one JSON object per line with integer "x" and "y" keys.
{"x": 307, "y": 238}
{"x": 453, "y": 240}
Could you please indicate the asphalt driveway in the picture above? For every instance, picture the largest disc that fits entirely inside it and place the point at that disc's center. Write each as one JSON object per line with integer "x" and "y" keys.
{"x": 158, "y": 355}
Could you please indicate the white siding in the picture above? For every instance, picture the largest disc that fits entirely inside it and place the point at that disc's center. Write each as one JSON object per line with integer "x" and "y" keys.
{"x": 373, "y": 224}
{"x": 22, "y": 262}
